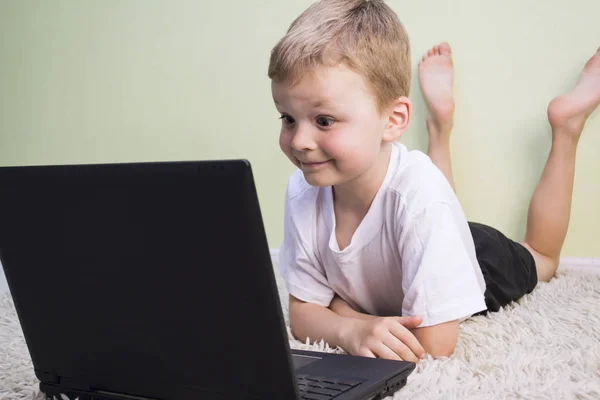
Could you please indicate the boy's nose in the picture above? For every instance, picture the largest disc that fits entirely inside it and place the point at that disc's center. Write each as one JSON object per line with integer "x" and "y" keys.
{"x": 303, "y": 139}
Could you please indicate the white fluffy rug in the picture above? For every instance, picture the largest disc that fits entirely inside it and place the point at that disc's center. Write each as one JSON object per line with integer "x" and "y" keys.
{"x": 546, "y": 346}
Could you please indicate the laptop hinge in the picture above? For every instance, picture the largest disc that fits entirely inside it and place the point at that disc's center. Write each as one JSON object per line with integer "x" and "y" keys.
{"x": 45, "y": 376}
{"x": 75, "y": 384}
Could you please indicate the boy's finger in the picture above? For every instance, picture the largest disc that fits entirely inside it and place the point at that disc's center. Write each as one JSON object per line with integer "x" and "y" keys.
{"x": 410, "y": 322}
{"x": 405, "y": 336}
{"x": 401, "y": 349}
{"x": 382, "y": 350}
{"x": 366, "y": 353}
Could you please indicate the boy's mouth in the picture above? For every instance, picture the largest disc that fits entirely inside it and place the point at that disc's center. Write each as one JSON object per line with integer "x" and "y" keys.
{"x": 313, "y": 165}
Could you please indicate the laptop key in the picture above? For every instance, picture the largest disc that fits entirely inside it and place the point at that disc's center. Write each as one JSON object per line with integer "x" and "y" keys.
{"x": 320, "y": 378}
{"x": 349, "y": 382}
{"x": 303, "y": 388}
{"x": 314, "y": 396}
{"x": 315, "y": 387}
{"x": 328, "y": 392}
{"x": 334, "y": 386}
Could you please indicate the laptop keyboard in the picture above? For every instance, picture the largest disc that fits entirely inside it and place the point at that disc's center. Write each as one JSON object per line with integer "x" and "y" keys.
{"x": 323, "y": 388}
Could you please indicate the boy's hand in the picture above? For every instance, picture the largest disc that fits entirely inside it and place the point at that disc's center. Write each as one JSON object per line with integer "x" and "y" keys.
{"x": 384, "y": 337}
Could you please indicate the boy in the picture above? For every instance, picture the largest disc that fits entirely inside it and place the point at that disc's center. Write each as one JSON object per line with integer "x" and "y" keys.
{"x": 374, "y": 231}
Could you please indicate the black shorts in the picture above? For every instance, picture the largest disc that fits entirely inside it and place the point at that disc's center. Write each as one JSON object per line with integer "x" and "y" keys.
{"x": 507, "y": 266}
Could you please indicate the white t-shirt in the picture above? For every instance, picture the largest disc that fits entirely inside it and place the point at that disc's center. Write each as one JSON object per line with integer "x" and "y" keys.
{"x": 411, "y": 255}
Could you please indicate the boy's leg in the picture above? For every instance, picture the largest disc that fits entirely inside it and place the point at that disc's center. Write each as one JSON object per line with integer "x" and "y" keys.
{"x": 436, "y": 76}
{"x": 550, "y": 206}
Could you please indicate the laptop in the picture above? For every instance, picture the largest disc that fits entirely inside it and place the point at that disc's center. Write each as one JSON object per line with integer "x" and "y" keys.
{"x": 154, "y": 281}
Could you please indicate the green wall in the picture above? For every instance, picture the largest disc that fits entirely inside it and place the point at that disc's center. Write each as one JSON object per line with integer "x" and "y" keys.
{"x": 143, "y": 80}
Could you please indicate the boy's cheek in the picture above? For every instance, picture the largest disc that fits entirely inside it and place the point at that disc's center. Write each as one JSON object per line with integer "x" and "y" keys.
{"x": 284, "y": 144}
{"x": 285, "y": 147}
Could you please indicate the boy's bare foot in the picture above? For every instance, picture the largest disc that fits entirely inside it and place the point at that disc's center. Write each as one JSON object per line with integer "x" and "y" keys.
{"x": 436, "y": 77}
{"x": 567, "y": 113}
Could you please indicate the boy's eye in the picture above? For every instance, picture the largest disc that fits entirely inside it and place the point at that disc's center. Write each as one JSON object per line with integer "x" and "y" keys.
{"x": 325, "y": 121}
{"x": 287, "y": 119}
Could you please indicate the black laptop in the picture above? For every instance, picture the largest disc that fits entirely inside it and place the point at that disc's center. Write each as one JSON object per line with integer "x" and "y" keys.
{"x": 154, "y": 281}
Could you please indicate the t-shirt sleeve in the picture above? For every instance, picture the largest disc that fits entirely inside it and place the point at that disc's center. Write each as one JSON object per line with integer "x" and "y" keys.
{"x": 439, "y": 280}
{"x": 304, "y": 276}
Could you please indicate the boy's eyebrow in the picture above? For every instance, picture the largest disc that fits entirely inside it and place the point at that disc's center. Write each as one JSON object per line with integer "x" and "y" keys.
{"x": 323, "y": 103}
{"x": 316, "y": 104}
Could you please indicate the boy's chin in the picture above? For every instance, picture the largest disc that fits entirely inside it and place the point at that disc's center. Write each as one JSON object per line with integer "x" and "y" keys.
{"x": 320, "y": 180}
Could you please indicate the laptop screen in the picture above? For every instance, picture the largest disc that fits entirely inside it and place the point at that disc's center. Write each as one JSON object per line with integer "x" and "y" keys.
{"x": 145, "y": 279}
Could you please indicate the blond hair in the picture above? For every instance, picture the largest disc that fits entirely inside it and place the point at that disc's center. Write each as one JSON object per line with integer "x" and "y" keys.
{"x": 365, "y": 35}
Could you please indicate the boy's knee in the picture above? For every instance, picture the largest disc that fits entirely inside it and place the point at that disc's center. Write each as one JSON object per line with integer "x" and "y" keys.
{"x": 546, "y": 265}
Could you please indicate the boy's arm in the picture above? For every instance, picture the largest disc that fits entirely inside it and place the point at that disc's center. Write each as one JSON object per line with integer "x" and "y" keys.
{"x": 316, "y": 322}
{"x": 438, "y": 340}
{"x": 373, "y": 337}
{"x": 341, "y": 307}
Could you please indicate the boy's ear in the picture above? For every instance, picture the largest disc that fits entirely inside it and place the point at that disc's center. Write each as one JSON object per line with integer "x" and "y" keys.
{"x": 398, "y": 116}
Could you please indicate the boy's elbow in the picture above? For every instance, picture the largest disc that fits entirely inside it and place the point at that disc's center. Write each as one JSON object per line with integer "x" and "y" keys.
{"x": 297, "y": 335}
{"x": 296, "y": 326}
{"x": 438, "y": 340}
{"x": 440, "y": 349}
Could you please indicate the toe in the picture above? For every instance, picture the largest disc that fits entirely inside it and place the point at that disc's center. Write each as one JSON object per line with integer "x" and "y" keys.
{"x": 445, "y": 48}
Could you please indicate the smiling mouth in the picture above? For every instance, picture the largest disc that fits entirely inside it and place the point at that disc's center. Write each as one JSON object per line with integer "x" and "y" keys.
{"x": 312, "y": 165}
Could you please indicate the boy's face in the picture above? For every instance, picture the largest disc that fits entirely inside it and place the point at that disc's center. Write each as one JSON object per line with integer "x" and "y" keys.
{"x": 331, "y": 128}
